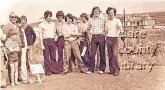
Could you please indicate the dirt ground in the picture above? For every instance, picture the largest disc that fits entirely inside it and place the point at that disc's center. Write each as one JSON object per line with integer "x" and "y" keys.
{"x": 127, "y": 80}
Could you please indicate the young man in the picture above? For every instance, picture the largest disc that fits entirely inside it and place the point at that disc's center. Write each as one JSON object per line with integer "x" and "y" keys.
{"x": 70, "y": 32}
{"x": 29, "y": 39}
{"x": 60, "y": 42}
{"x": 84, "y": 38}
{"x": 97, "y": 25}
{"x": 113, "y": 27}
{"x": 48, "y": 34}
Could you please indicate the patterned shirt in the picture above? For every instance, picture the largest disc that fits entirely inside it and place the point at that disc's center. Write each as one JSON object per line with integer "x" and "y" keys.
{"x": 12, "y": 45}
{"x": 97, "y": 25}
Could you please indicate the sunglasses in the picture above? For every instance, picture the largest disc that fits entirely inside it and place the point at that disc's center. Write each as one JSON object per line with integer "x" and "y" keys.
{"x": 13, "y": 17}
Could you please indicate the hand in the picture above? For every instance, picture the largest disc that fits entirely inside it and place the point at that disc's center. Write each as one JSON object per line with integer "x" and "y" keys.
{"x": 6, "y": 62}
{"x": 43, "y": 47}
{"x": 121, "y": 35}
{"x": 76, "y": 34}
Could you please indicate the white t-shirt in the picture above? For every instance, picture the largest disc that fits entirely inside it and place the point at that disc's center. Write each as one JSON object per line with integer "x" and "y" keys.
{"x": 113, "y": 27}
{"x": 48, "y": 29}
{"x": 25, "y": 40}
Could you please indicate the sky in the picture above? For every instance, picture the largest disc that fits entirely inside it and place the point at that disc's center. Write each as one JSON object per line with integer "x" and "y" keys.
{"x": 34, "y": 9}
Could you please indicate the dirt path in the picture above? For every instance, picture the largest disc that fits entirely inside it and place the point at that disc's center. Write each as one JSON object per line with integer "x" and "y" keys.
{"x": 127, "y": 80}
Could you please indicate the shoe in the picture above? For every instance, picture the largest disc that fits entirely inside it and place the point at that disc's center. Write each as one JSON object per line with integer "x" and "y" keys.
{"x": 31, "y": 81}
{"x": 47, "y": 74}
{"x": 100, "y": 72}
{"x": 12, "y": 84}
{"x": 111, "y": 72}
{"x": 25, "y": 81}
{"x": 88, "y": 72}
{"x": 3, "y": 86}
{"x": 115, "y": 73}
{"x": 64, "y": 73}
{"x": 17, "y": 83}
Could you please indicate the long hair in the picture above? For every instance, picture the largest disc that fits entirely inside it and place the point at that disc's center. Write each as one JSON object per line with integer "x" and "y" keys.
{"x": 92, "y": 13}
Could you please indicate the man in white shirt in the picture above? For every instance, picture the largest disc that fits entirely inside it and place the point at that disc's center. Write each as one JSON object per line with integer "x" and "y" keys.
{"x": 24, "y": 73}
{"x": 48, "y": 34}
{"x": 70, "y": 33}
{"x": 60, "y": 42}
{"x": 113, "y": 28}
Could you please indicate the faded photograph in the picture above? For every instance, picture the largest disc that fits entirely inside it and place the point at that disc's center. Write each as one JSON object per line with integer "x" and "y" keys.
{"x": 82, "y": 45}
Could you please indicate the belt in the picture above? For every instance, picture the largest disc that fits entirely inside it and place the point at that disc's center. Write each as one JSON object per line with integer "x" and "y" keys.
{"x": 50, "y": 38}
{"x": 98, "y": 34}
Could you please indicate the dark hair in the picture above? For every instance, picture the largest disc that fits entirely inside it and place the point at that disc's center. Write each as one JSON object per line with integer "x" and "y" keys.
{"x": 23, "y": 17}
{"x": 59, "y": 13}
{"x": 69, "y": 16}
{"x": 18, "y": 20}
{"x": 84, "y": 15}
{"x": 93, "y": 11}
{"x": 47, "y": 13}
{"x": 110, "y": 8}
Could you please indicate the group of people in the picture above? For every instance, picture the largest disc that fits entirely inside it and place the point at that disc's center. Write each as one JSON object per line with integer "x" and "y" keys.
{"x": 78, "y": 43}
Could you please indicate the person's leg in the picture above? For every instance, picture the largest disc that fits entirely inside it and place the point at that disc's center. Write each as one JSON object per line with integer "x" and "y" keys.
{"x": 110, "y": 53}
{"x": 115, "y": 58}
{"x": 60, "y": 46}
{"x": 12, "y": 74}
{"x": 76, "y": 53}
{"x": 93, "y": 53}
{"x": 47, "y": 62}
{"x": 102, "y": 53}
{"x": 67, "y": 52}
{"x": 3, "y": 73}
{"x": 97, "y": 59}
{"x": 54, "y": 65}
{"x": 83, "y": 45}
{"x": 16, "y": 73}
{"x": 24, "y": 66}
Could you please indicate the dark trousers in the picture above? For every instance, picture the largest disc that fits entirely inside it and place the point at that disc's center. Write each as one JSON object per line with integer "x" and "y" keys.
{"x": 112, "y": 47}
{"x": 50, "y": 62}
{"x": 85, "y": 58}
{"x": 72, "y": 61}
{"x": 60, "y": 46}
{"x": 97, "y": 40}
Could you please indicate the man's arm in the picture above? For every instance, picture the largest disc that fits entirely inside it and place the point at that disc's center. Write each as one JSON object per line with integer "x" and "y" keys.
{"x": 34, "y": 35}
{"x": 2, "y": 35}
{"x": 41, "y": 36}
{"x": 6, "y": 29}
